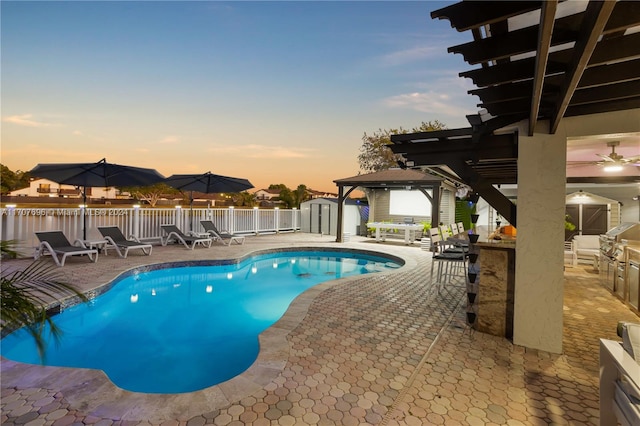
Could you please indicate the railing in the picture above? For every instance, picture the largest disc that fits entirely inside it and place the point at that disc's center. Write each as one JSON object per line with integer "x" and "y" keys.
{"x": 47, "y": 190}
{"x": 20, "y": 224}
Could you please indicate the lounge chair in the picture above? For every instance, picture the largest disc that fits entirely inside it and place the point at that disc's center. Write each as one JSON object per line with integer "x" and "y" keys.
{"x": 57, "y": 244}
{"x": 189, "y": 241}
{"x": 118, "y": 241}
{"x": 225, "y": 238}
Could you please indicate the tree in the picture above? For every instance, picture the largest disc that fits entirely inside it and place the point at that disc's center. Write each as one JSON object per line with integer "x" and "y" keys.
{"x": 244, "y": 198}
{"x": 374, "y": 152}
{"x": 10, "y": 181}
{"x": 151, "y": 193}
{"x": 300, "y": 195}
{"x": 291, "y": 198}
{"x": 278, "y": 186}
{"x": 286, "y": 198}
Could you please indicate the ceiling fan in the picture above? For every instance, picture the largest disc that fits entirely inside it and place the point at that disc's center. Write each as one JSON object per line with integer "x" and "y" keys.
{"x": 611, "y": 162}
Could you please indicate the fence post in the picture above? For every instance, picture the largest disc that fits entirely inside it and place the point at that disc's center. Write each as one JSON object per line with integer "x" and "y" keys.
{"x": 294, "y": 219}
{"x": 256, "y": 220}
{"x": 177, "y": 220}
{"x": 276, "y": 217}
{"x": 136, "y": 220}
{"x": 11, "y": 216}
{"x": 232, "y": 219}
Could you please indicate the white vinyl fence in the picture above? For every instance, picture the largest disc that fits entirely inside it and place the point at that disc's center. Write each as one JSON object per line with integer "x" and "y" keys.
{"x": 20, "y": 224}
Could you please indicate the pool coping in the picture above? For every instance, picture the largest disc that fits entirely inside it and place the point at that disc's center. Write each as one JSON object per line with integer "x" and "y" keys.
{"x": 86, "y": 388}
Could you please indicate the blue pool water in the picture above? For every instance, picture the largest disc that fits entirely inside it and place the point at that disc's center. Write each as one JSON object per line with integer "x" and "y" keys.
{"x": 183, "y": 329}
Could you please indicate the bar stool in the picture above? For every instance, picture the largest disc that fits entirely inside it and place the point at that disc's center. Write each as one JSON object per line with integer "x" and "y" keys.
{"x": 449, "y": 265}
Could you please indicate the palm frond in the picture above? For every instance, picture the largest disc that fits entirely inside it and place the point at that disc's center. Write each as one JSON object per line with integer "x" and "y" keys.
{"x": 24, "y": 298}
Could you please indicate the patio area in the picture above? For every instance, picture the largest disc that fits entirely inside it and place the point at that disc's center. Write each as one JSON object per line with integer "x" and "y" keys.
{"x": 382, "y": 349}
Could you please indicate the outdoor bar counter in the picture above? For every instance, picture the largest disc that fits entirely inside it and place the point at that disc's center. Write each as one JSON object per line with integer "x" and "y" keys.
{"x": 496, "y": 281}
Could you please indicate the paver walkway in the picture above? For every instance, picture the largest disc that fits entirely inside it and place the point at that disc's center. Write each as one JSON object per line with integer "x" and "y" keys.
{"x": 382, "y": 349}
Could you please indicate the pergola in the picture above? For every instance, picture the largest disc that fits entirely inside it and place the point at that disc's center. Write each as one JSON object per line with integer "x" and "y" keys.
{"x": 544, "y": 71}
{"x": 539, "y": 61}
{"x": 391, "y": 178}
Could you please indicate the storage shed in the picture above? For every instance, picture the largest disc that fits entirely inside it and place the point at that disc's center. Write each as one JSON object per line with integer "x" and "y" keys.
{"x": 592, "y": 214}
{"x": 320, "y": 216}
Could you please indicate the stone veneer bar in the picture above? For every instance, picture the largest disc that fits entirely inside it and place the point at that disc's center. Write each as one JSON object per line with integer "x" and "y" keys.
{"x": 496, "y": 288}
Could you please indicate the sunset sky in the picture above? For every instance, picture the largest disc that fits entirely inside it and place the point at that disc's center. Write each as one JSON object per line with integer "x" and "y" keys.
{"x": 275, "y": 92}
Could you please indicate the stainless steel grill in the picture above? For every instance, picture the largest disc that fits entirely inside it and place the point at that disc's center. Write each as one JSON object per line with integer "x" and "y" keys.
{"x": 612, "y": 243}
{"x": 612, "y": 266}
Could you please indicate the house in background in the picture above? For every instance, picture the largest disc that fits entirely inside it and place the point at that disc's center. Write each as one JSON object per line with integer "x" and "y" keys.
{"x": 45, "y": 188}
{"x": 267, "y": 194}
{"x": 320, "y": 194}
{"x": 271, "y": 197}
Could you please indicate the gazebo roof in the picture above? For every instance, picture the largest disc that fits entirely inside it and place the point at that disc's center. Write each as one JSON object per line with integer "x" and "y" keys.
{"x": 391, "y": 178}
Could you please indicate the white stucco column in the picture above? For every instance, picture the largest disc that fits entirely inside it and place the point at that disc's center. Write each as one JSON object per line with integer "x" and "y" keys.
{"x": 538, "y": 298}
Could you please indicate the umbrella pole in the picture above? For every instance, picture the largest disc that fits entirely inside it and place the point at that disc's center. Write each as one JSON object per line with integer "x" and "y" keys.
{"x": 84, "y": 213}
{"x": 191, "y": 211}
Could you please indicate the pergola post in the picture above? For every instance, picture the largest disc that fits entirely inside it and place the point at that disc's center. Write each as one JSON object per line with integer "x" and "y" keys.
{"x": 340, "y": 208}
{"x": 341, "y": 197}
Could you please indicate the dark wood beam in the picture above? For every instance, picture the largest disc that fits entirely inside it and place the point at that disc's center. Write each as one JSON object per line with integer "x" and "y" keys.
{"x": 604, "y": 74}
{"x": 604, "y": 179}
{"x": 510, "y": 107}
{"x": 439, "y": 172}
{"x": 616, "y": 49}
{"x": 606, "y": 52}
{"x": 491, "y": 147}
{"x": 565, "y": 30}
{"x": 547, "y": 19}
{"x": 468, "y": 15}
{"x": 599, "y": 107}
{"x": 610, "y": 92}
{"x": 516, "y": 70}
{"x": 495, "y": 198}
{"x": 595, "y": 19}
{"x": 625, "y": 15}
{"x": 432, "y": 135}
{"x": 495, "y": 123}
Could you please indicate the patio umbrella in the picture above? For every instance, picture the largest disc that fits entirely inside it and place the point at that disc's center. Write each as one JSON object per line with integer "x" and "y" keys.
{"x": 100, "y": 174}
{"x": 207, "y": 183}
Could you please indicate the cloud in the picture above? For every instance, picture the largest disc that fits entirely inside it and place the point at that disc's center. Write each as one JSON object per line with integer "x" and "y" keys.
{"x": 429, "y": 102}
{"x": 405, "y": 56}
{"x": 169, "y": 140}
{"x": 263, "y": 151}
{"x": 26, "y": 120}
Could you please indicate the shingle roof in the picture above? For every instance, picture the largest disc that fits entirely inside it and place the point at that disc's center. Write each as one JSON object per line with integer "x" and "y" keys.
{"x": 390, "y": 177}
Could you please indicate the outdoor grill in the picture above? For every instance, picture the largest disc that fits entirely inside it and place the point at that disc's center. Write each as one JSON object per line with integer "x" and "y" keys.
{"x": 612, "y": 265}
{"x": 612, "y": 243}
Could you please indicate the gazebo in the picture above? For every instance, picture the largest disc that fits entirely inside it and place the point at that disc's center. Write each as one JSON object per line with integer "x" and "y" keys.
{"x": 394, "y": 178}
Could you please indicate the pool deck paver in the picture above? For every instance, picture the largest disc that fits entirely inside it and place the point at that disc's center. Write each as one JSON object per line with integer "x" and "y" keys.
{"x": 382, "y": 349}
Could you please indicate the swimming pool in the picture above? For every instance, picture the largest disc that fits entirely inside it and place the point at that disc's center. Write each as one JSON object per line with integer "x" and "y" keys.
{"x": 181, "y": 329}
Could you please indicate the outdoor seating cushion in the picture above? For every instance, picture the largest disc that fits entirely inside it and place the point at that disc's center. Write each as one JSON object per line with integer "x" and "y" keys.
{"x": 586, "y": 245}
